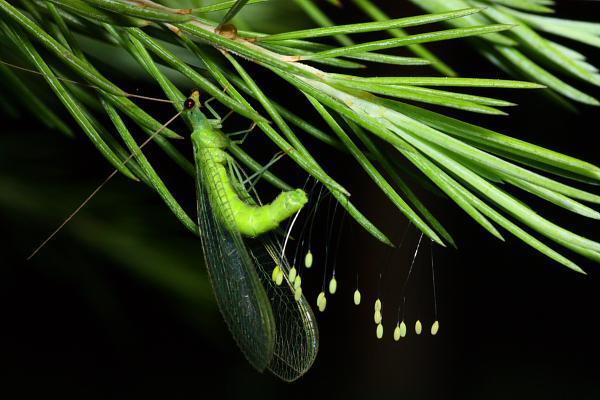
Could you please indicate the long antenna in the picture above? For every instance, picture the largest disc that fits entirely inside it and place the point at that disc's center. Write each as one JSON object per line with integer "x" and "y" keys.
{"x": 104, "y": 182}
{"x": 60, "y": 78}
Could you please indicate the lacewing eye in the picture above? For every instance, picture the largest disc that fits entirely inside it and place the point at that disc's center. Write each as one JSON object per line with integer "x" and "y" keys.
{"x": 189, "y": 104}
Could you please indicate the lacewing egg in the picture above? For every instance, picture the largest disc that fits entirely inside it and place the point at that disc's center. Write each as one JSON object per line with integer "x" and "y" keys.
{"x": 377, "y": 305}
{"x": 402, "y": 329}
{"x": 356, "y": 297}
{"x": 435, "y": 328}
{"x": 279, "y": 277}
{"x": 292, "y": 274}
{"x": 377, "y": 317}
{"x": 308, "y": 259}
{"x": 418, "y": 327}
{"x": 275, "y": 273}
{"x": 298, "y": 293}
{"x": 379, "y": 331}
{"x": 332, "y": 285}
{"x": 397, "y": 332}
{"x": 322, "y": 301}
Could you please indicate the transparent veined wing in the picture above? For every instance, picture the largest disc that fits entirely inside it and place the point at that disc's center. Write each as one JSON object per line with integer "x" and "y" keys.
{"x": 241, "y": 297}
{"x": 297, "y": 334}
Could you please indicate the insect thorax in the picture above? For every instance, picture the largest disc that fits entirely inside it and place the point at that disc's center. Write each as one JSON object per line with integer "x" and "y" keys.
{"x": 209, "y": 138}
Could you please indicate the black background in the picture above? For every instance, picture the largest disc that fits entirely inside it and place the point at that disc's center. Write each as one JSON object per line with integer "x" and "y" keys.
{"x": 75, "y": 322}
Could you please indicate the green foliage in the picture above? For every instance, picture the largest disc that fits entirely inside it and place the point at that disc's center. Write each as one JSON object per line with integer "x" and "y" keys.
{"x": 367, "y": 116}
{"x": 524, "y": 52}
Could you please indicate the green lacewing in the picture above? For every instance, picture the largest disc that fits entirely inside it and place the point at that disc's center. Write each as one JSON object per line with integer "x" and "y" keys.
{"x": 272, "y": 324}
{"x": 275, "y": 329}
{"x": 257, "y": 291}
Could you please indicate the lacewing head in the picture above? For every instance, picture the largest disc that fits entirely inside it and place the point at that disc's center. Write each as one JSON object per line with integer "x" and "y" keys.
{"x": 192, "y": 101}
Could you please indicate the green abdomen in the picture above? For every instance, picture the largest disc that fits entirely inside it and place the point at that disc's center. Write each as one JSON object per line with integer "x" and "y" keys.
{"x": 250, "y": 220}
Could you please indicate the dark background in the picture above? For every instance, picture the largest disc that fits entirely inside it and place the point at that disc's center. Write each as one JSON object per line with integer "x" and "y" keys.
{"x": 118, "y": 305}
